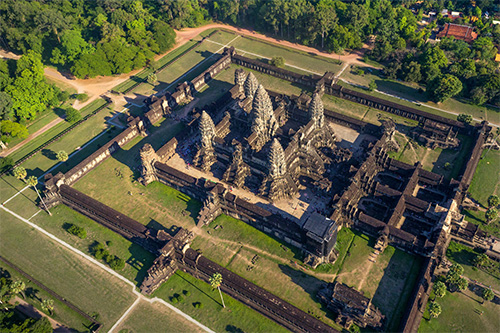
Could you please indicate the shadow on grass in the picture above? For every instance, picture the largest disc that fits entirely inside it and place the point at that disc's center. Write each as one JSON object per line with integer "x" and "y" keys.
{"x": 310, "y": 285}
{"x": 194, "y": 286}
{"x": 141, "y": 260}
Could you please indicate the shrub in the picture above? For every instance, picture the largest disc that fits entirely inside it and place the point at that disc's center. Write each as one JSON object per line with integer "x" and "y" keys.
{"x": 372, "y": 86}
{"x": 493, "y": 201}
{"x": 99, "y": 251}
{"x": 72, "y": 115}
{"x": 186, "y": 292}
{"x": 77, "y": 231}
{"x": 152, "y": 79}
{"x": 465, "y": 118}
{"x": 174, "y": 300}
{"x": 62, "y": 156}
{"x": 198, "y": 305}
{"x": 82, "y": 97}
{"x": 180, "y": 299}
{"x": 116, "y": 263}
{"x": 63, "y": 96}
{"x": 491, "y": 214}
{"x": 278, "y": 62}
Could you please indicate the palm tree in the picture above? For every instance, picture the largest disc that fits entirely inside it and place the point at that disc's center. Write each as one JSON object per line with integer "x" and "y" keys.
{"x": 20, "y": 173}
{"x": 62, "y": 156}
{"x": 32, "y": 181}
{"x": 215, "y": 282}
{"x": 48, "y": 305}
{"x": 18, "y": 287}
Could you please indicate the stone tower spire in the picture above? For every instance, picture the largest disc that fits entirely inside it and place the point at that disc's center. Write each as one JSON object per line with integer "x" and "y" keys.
{"x": 277, "y": 164}
{"x": 316, "y": 111}
{"x": 205, "y": 156}
{"x": 207, "y": 129}
{"x": 239, "y": 78}
{"x": 250, "y": 85}
{"x": 262, "y": 108}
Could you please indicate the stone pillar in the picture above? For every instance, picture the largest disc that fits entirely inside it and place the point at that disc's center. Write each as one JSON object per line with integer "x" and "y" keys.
{"x": 239, "y": 78}
{"x": 205, "y": 157}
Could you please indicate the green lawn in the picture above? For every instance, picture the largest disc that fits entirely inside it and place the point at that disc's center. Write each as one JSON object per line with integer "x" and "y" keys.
{"x": 463, "y": 312}
{"x": 485, "y": 182}
{"x": 292, "y": 57}
{"x": 176, "y": 70}
{"x": 235, "y": 316}
{"x": 265, "y": 261}
{"x": 34, "y": 295}
{"x": 47, "y": 135}
{"x": 155, "y": 317}
{"x": 411, "y": 91}
{"x": 388, "y": 281}
{"x": 465, "y": 256}
{"x": 80, "y": 282}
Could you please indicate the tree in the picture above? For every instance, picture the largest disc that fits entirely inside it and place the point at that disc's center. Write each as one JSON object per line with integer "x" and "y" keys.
{"x": 434, "y": 309}
{"x": 488, "y": 294}
{"x": 10, "y": 129}
{"x": 491, "y": 214}
{"x": 278, "y": 62}
{"x": 412, "y": 72}
{"x": 48, "y": 305}
{"x": 481, "y": 260}
{"x": 372, "y": 86}
{"x": 462, "y": 284}
{"x": 326, "y": 17}
{"x": 493, "y": 201}
{"x": 33, "y": 181}
{"x": 444, "y": 87}
{"x": 164, "y": 35}
{"x": 20, "y": 173}
{"x": 80, "y": 232}
{"x": 215, "y": 282}
{"x": 18, "y": 287}
{"x": 152, "y": 79}
{"x": 73, "y": 115}
{"x": 62, "y": 156}
{"x": 439, "y": 289}
{"x": 465, "y": 118}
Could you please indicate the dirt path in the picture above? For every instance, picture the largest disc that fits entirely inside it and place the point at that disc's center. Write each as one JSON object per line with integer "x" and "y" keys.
{"x": 217, "y": 240}
{"x": 30, "y": 311}
{"x": 366, "y": 270}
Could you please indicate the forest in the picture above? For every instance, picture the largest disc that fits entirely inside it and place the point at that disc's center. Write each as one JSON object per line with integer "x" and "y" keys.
{"x": 89, "y": 38}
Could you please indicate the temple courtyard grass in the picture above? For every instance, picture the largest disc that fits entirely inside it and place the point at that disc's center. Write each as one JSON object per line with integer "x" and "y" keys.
{"x": 463, "y": 312}
{"x": 235, "y": 317}
{"x": 87, "y": 286}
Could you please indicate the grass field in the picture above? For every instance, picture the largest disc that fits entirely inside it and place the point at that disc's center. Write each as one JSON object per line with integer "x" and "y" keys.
{"x": 254, "y": 48}
{"x": 411, "y": 91}
{"x": 155, "y": 317}
{"x": 388, "y": 280}
{"x": 463, "y": 312}
{"x": 34, "y": 295}
{"x": 465, "y": 256}
{"x": 486, "y": 182}
{"x": 114, "y": 183}
{"x": 83, "y": 284}
{"x": 235, "y": 316}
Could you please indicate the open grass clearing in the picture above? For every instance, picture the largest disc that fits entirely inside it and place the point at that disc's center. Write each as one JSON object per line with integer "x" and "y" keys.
{"x": 114, "y": 183}
{"x": 236, "y": 316}
{"x": 34, "y": 295}
{"x": 82, "y": 283}
{"x": 462, "y": 312}
{"x": 486, "y": 182}
{"x": 465, "y": 256}
{"x": 411, "y": 91}
{"x": 178, "y": 69}
{"x": 344, "y": 239}
{"x": 155, "y": 317}
{"x": 387, "y": 278}
{"x": 49, "y": 134}
{"x": 292, "y": 57}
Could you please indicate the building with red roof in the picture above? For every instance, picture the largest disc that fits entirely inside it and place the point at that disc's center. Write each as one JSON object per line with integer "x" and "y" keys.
{"x": 462, "y": 32}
